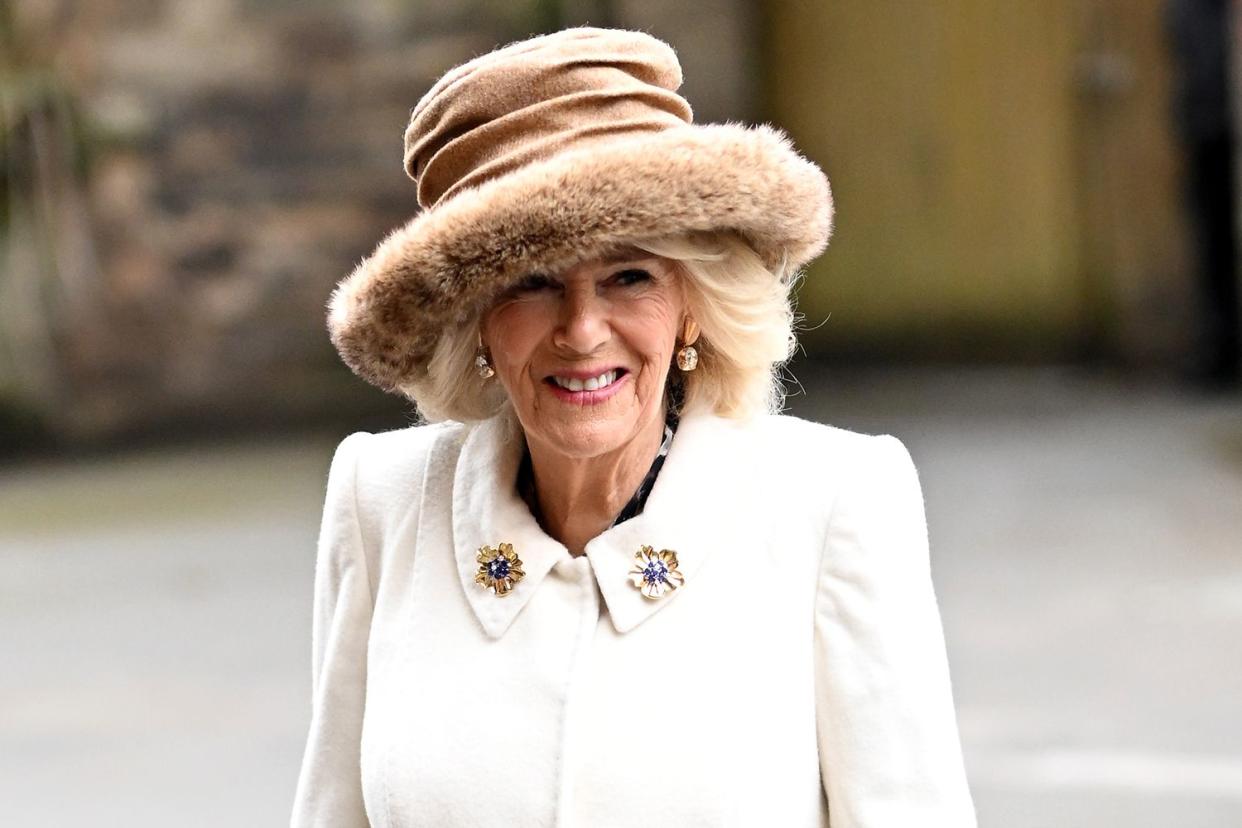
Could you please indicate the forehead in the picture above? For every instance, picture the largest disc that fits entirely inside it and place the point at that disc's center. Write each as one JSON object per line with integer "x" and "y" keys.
{"x": 610, "y": 257}
{"x": 623, "y": 253}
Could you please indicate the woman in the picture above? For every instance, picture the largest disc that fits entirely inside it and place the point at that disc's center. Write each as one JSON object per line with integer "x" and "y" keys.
{"x": 607, "y": 586}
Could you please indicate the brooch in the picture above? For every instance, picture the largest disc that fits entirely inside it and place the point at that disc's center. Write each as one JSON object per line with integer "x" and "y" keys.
{"x": 499, "y": 569}
{"x": 656, "y": 573}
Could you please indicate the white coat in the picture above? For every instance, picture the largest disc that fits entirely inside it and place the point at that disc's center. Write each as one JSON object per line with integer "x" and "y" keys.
{"x": 798, "y": 675}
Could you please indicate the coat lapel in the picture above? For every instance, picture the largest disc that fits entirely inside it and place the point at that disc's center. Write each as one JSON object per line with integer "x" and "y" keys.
{"x": 487, "y": 510}
{"x": 686, "y": 512}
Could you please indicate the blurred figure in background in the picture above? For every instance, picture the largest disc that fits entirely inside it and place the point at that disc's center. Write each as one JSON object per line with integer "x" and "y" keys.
{"x": 1200, "y": 36}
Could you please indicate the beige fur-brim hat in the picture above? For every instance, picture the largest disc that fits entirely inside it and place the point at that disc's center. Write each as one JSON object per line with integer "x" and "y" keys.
{"x": 544, "y": 153}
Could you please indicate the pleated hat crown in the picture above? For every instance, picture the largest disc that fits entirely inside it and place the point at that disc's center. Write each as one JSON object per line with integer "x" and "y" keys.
{"x": 548, "y": 152}
{"x": 534, "y": 99}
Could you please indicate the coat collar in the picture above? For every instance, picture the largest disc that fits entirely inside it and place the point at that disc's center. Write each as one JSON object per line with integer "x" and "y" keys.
{"x": 683, "y": 513}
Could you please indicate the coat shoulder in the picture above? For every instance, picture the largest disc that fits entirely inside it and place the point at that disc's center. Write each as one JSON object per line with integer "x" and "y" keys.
{"x": 391, "y": 454}
{"x": 810, "y": 463}
{"x": 787, "y": 436}
{"x": 390, "y": 466}
{"x": 797, "y": 462}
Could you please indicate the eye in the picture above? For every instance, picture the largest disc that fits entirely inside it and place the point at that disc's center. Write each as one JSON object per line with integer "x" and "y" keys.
{"x": 631, "y": 276}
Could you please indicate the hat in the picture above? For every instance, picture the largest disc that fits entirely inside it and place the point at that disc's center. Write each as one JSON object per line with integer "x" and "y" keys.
{"x": 547, "y": 152}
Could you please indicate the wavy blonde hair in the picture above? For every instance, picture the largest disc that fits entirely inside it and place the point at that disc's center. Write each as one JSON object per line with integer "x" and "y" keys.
{"x": 745, "y": 313}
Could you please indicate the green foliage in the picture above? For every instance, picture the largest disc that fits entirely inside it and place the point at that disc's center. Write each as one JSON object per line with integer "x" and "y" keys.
{"x": 44, "y": 158}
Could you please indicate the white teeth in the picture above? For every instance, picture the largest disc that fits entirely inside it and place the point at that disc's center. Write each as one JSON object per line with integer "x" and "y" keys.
{"x": 593, "y": 384}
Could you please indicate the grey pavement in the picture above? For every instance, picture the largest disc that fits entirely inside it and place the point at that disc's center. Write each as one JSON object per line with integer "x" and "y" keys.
{"x": 1087, "y": 553}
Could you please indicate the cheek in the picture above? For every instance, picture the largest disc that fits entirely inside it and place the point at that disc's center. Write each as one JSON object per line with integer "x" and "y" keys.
{"x": 653, "y": 332}
{"x": 514, "y": 332}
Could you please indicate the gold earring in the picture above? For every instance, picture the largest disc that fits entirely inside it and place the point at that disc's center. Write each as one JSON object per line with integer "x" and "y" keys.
{"x": 482, "y": 363}
{"x": 688, "y": 356}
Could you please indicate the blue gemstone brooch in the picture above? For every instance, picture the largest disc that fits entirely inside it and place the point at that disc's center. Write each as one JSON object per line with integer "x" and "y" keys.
{"x": 499, "y": 569}
{"x": 655, "y": 573}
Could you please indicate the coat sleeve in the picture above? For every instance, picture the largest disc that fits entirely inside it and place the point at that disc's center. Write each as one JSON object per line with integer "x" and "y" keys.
{"x": 329, "y": 791}
{"x": 890, "y": 753}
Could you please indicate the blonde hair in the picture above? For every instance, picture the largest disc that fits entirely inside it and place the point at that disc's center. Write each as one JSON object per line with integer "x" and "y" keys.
{"x": 745, "y": 314}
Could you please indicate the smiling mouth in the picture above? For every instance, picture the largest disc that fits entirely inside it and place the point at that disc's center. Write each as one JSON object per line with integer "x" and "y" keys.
{"x": 592, "y": 384}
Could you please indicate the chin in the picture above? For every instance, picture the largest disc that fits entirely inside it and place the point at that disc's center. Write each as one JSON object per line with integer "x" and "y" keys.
{"x": 589, "y": 438}
{"x": 582, "y": 432}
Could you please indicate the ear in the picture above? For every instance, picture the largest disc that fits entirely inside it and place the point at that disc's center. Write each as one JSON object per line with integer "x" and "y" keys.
{"x": 690, "y": 331}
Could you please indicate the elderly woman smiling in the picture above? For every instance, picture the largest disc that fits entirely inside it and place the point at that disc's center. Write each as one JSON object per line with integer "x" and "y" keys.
{"x": 584, "y": 359}
{"x": 607, "y": 583}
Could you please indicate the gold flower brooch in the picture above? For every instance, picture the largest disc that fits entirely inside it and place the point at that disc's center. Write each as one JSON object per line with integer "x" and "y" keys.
{"x": 655, "y": 573}
{"x": 499, "y": 569}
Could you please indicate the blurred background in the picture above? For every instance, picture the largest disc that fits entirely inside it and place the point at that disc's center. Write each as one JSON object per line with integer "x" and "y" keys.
{"x": 1032, "y": 282}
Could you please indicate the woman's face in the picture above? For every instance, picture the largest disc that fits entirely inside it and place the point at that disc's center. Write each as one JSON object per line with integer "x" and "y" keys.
{"x": 584, "y": 354}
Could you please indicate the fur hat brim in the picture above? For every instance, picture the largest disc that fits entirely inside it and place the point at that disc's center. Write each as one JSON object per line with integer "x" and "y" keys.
{"x": 447, "y": 264}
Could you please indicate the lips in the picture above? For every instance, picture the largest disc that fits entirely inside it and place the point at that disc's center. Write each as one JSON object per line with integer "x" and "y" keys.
{"x": 595, "y": 383}
{"x": 587, "y": 387}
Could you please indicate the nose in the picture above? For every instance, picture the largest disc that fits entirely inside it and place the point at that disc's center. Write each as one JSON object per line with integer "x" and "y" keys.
{"x": 583, "y": 325}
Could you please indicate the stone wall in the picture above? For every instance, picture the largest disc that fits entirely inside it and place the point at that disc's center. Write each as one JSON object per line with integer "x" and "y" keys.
{"x": 243, "y": 155}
